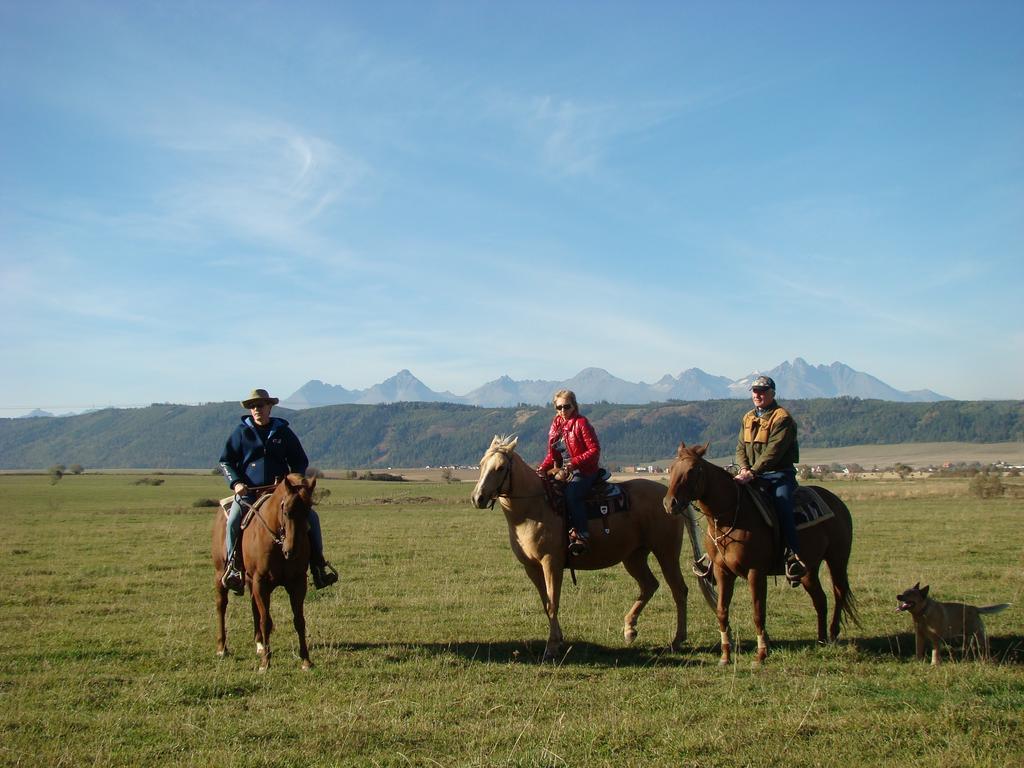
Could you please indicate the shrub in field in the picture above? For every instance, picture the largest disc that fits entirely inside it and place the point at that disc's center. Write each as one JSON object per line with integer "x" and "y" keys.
{"x": 56, "y": 472}
{"x": 312, "y": 472}
{"x": 149, "y": 481}
{"x": 320, "y": 495}
{"x": 383, "y": 476}
{"x": 986, "y": 485}
{"x": 76, "y": 469}
{"x": 205, "y": 503}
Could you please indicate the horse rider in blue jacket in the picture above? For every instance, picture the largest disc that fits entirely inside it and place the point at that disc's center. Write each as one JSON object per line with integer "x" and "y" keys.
{"x": 261, "y": 451}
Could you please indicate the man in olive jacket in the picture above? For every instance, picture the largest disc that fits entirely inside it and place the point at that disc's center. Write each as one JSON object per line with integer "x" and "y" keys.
{"x": 767, "y": 452}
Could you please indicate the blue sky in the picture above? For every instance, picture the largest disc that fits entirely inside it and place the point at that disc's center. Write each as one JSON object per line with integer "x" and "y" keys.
{"x": 197, "y": 198}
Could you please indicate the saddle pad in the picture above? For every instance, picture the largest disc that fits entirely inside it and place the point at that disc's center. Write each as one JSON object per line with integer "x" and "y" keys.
{"x": 809, "y": 508}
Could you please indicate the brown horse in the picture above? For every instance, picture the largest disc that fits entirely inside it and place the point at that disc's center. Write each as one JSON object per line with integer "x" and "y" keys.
{"x": 275, "y": 548}
{"x": 539, "y": 540}
{"x": 741, "y": 544}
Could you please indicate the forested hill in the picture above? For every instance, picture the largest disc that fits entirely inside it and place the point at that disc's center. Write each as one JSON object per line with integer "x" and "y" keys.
{"x": 420, "y": 434}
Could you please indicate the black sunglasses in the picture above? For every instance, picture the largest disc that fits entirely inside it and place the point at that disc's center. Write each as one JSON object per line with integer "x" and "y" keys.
{"x": 566, "y": 407}
{"x": 760, "y": 390}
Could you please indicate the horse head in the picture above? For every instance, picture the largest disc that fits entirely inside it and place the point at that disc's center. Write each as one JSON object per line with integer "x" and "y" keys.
{"x": 295, "y": 504}
{"x": 686, "y": 480}
{"x": 495, "y": 471}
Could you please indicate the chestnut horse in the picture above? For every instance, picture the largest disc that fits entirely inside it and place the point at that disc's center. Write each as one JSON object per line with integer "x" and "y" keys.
{"x": 741, "y": 544}
{"x": 275, "y": 548}
{"x": 539, "y": 540}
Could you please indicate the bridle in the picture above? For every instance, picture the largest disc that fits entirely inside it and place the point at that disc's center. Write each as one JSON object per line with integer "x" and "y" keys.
{"x": 507, "y": 494}
{"x": 720, "y": 538}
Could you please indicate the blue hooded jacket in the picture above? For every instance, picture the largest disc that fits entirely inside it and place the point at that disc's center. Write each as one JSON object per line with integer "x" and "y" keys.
{"x": 261, "y": 456}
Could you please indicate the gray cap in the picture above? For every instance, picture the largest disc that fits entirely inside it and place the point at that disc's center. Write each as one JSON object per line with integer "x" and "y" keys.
{"x": 763, "y": 382}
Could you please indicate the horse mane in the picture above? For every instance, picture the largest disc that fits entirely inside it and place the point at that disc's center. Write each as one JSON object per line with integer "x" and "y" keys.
{"x": 504, "y": 444}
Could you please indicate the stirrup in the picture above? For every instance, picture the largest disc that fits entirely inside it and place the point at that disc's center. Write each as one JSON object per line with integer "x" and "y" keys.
{"x": 578, "y": 545}
{"x": 233, "y": 579}
{"x": 703, "y": 567}
{"x": 795, "y": 570}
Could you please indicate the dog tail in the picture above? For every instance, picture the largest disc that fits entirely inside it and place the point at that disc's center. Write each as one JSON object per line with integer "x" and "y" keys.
{"x": 994, "y": 608}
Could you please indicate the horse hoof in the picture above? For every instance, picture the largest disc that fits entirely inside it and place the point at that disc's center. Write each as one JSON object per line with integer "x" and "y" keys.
{"x": 723, "y": 662}
{"x": 629, "y": 633}
{"x": 222, "y": 653}
{"x": 307, "y": 665}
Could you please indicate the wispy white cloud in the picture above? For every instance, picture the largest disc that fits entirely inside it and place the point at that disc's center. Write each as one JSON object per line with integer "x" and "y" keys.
{"x": 572, "y": 136}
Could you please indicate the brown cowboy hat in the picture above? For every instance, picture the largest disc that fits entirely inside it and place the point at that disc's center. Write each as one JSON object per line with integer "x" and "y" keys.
{"x": 259, "y": 396}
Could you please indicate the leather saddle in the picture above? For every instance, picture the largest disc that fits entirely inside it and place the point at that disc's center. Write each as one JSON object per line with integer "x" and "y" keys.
{"x": 604, "y": 499}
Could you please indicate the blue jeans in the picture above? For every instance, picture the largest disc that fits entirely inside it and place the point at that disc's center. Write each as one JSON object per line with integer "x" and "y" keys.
{"x": 781, "y": 487}
{"x": 576, "y": 490}
{"x": 234, "y": 531}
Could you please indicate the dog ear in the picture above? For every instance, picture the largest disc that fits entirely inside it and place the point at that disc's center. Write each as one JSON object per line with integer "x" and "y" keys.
{"x": 924, "y": 591}
{"x": 917, "y": 586}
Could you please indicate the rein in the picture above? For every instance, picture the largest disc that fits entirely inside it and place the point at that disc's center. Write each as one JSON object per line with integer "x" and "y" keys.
{"x": 277, "y": 536}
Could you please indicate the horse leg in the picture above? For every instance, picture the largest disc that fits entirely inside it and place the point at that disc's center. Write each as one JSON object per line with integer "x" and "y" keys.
{"x": 261, "y": 619}
{"x": 221, "y": 603}
{"x": 297, "y": 595}
{"x": 758, "y": 582}
{"x": 637, "y": 567}
{"x": 726, "y": 581}
{"x": 548, "y": 581}
{"x": 674, "y": 578}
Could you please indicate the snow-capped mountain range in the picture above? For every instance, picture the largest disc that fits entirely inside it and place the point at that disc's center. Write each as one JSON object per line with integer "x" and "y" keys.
{"x": 795, "y": 380}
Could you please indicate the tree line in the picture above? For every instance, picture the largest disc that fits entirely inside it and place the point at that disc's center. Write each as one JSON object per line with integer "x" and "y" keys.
{"x": 436, "y": 434}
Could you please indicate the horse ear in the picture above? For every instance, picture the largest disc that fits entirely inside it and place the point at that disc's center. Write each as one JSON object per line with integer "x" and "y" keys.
{"x": 311, "y": 483}
{"x": 512, "y": 443}
{"x": 680, "y": 450}
{"x": 700, "y": 450}
{"x": 495, "y": 441}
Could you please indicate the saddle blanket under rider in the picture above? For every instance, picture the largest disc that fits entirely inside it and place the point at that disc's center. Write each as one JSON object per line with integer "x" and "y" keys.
{"x": 809, "y": 508}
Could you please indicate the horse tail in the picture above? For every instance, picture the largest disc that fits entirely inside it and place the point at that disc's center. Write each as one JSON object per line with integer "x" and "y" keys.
{"x": 838, "y": 558}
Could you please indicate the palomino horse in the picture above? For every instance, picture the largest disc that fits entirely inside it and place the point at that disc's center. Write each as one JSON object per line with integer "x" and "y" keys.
{"x": 741, "y": 544}
{"x": 539, "y": 541}
{"x": 275, "y": 549}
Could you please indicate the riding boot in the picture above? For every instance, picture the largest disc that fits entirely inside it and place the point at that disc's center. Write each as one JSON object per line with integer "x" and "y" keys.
{"x": 323, "y": 573}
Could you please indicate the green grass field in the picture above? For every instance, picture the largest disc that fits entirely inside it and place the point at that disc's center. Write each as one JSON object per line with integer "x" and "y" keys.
{"x": 427, "y": 651}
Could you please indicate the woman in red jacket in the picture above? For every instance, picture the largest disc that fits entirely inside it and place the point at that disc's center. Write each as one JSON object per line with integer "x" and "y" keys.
{"x": 572, "y": 434}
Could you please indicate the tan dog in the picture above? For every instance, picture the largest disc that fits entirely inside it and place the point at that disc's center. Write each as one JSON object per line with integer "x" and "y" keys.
{"x": 945, "y": 622}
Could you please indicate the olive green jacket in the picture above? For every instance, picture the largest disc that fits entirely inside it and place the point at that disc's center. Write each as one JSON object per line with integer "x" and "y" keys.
{"x": 768, "y": 442}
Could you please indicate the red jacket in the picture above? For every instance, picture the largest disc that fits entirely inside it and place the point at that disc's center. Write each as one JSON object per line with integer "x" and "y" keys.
{"x": 580, "y": 440}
